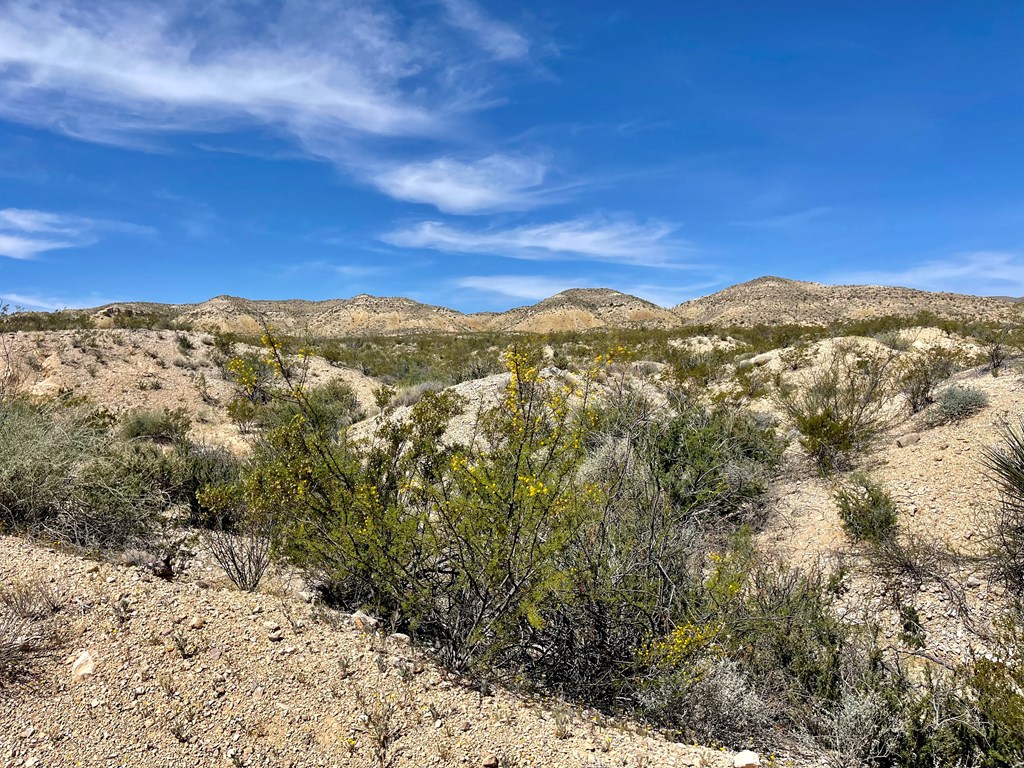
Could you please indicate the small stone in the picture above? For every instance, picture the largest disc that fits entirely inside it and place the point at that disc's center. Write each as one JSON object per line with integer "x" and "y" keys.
{"x": 197, "y": 622}
{"x": 94, "y": 568}
{"x": 400, "y": 638}
{"x": 746, "y": 759}
{"x": 83, "y": 666}
{"x": 276, "y": 636}
{"x": 490, "y": 760}
{"x": 364, "y": 622}
{"x": 974, "y": 582}
{"x": 271, "y": 626}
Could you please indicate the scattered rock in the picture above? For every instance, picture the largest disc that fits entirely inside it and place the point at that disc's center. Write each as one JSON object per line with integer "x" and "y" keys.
{"x": 364, "y": 622}
{"x": 974, "y": 582}
{"x": 746, "y": 759}
{"x": 400, "y": 638}
{"x": 906, "y": 440}
{"x": 276, "y": 636}
{"x": 83, "y": 666}
{"x": 490, "y": 760}
{"x": 197, "y": 622}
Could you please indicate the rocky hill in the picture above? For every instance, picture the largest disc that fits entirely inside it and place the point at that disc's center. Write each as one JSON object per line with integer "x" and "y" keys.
{"x": 767, "y": 300}
{"x": 581, "y": 309}
{"x": 777, "y": 301}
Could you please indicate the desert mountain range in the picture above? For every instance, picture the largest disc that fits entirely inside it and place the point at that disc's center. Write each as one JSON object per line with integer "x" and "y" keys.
{"x": 766, "y": 300}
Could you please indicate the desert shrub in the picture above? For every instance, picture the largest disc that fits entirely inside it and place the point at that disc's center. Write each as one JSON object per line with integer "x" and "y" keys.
{"x": 240, "y": 538}
{"x": 716, "y": 463}
{"x": 413, "y": 394}
{"x": 759, "y": 634}
{"x": 838, "y": 409}
{"x": 185, "y": 344}
{"x": 330, "y": 408}
{"x": 971, "y": 715}
{"x": 957, "y": 402}
{"x": 191, "y": 468}
{"x": 867, "y": 510}
{"x": 167, "y": 425}
{"x": 70, "y": 482}
{"x": 243, "y": 413}
{"x": 920, "y": 375}
{"x": 1006, "y": 545}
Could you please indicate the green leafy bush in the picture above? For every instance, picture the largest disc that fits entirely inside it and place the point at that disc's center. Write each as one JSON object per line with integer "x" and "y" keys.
{"x": 866, "y": 509}
{"x": 958, "y": 402}
{"x": 716, "y": 463}
{"x": 168, "y": 425}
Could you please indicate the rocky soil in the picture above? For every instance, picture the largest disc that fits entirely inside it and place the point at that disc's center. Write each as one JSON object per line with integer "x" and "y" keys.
{"x": 192, "y": 672}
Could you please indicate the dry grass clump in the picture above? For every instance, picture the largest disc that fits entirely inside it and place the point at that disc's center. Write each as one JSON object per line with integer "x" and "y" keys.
{"x": 29, "y": 632}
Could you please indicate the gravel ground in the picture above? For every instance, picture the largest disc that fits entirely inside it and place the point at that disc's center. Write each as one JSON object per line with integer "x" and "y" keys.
{"x": 193, "y": 673}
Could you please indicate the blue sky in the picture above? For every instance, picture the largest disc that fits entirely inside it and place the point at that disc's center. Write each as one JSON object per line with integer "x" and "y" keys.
{"x": 484, "y": 156}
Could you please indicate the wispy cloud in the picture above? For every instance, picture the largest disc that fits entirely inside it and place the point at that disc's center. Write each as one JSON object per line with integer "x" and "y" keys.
{"x": 528, "y": 287}
{"x": 495, "y": 182}
{"x": 784, "y": 220}
{"x": 335, "y": 77}
{"x": 538, "y": 287}
{"x": 618, "y": 241}
{"x": 499, "y": 39}
{"x": 110, "y": 68}
{"x": 26, "y": 233}
{"x": 50, "y": 303}
{"x": 987, "y": 273}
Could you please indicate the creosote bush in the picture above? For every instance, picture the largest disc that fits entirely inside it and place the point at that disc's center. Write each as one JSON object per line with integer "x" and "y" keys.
{"x": 838, "y": 409}
{"x": 867, "y": 510}
{"x": 921, "y": 374}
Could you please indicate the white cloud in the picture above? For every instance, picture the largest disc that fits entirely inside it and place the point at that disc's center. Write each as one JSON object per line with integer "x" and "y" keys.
{"x": 15, "y": 247}
{"x": 332, "y": 76}
{"x": 49, "y": 303}
{"x": 25, "y": 233}
{"x": 529, "y": 287}
{"x": 986, "y": 273}
{"x": 498, "y": 39}
{"x": 537, "y": 287}
{"x": 496, "y": 182}
{"x": 113, "y": 67}
{"x": 591, "y": 239}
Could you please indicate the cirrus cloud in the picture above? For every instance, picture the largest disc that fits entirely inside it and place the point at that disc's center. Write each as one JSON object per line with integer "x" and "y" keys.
{"x": 26, "y": 233}
{"x": 618, "y": 241}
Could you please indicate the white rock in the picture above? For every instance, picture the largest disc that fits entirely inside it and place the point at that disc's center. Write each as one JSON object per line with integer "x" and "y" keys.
{"x": 84, "y": 666}
{"x": 746, "y": 759}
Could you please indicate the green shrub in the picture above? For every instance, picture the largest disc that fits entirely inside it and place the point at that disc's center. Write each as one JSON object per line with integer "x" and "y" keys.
{"x": 866, "y": 509}
{"x": 67, "y": 481}
{"x": 167, "y": 425}
{"x": 958, "y": 402}
{"x": 921, "y": 374}
{"x": 838, "y": 409}
{"x": 717, "y": 463}
{"x": 192, "y": 469}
